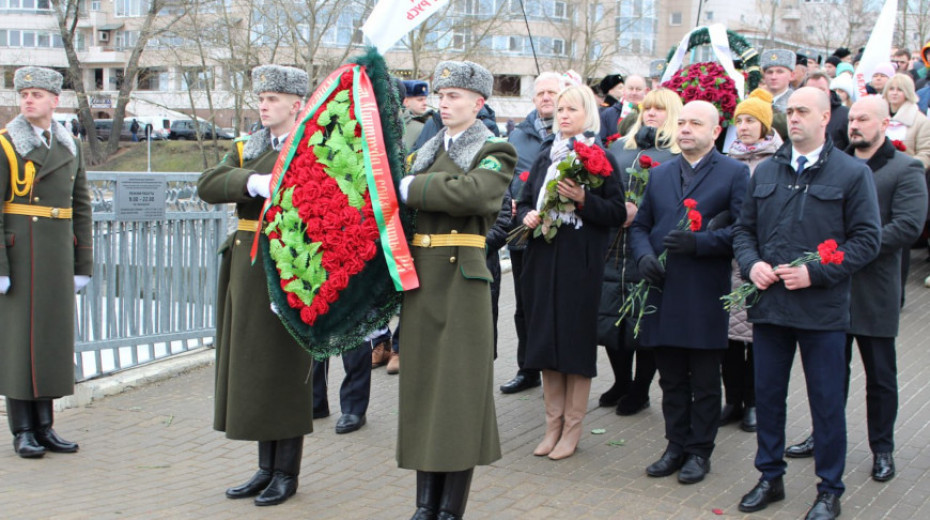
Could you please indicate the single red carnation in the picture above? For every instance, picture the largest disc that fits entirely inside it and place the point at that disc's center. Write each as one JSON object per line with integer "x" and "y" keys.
{"x": 525, "y": 176}
{"x": 294, "y": 301}
{"x": 694, "y": 220}
{"x": 690, "y": 203}
{"x": 838, "y": 257}
{"x": 899, "y": 145}
{"x": 307, "y": 315}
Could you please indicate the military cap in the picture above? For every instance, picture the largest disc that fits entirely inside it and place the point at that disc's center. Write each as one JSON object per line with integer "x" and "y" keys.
{"x": 609, "y": 82}
{"x": 463, "y": 74}
{"x": 777, "y": 58}
{"x": 657, "y": 68}
{"x": 277, "y": 78}
{"x": 416, "y": 88}
{"x": 37, "y": 77}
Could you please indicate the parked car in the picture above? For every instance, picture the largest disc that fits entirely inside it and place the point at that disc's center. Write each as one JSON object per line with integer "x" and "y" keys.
{"x": 105, "y": 127}
{"x": 186, "y": 129}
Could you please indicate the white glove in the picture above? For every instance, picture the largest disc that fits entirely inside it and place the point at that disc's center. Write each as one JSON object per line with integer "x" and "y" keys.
{"x": 405, "y": 187}
{"x": 80, "y": 281}
{"x": 4, "y": 284}
{"x": 259, "y": 185}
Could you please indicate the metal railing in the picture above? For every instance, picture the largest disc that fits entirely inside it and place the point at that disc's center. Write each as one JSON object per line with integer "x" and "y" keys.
{"x": 153, "y": 292}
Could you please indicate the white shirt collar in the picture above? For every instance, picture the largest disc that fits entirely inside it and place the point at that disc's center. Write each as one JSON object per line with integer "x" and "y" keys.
{"x": 449, "y": 139}
{"x": 39, "y": 131}
{"x": 811, "y": 157}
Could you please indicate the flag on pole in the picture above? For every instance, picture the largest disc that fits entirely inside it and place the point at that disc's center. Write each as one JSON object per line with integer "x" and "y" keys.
{"x": 878, "y": 49}
{"x": 390, "y": 20}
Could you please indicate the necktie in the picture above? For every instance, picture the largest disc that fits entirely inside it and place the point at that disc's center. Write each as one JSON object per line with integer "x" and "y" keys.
{"x": 275, "y": 143}
{"x": 47, "y": 137}
{"x": 801, "y": 162}
{"x": 448, "y": 141}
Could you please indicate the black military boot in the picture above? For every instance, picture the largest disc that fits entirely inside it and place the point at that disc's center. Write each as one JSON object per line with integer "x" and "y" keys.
{"x": 261, "y": 478}
{"x": 45, "y": 435}
{"x": 283, "y": 485}
{"x": 19, "y": 415}
{"x": 455, "y": 495}
{"x": 429, "y": 491}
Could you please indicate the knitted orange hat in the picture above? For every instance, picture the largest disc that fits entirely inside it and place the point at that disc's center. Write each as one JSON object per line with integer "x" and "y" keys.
{"x": 759, "y": 106}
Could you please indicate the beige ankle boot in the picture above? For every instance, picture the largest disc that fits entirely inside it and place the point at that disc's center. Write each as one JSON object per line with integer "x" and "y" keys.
{"x": 578, "y": 389}
{"x": 554, "y": 397}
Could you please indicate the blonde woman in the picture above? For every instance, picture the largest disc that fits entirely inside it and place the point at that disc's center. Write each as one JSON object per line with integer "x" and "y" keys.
{"x": 653, "y": 136}
{"x": 908, "y": 124}
{"x": 562, "y": 278}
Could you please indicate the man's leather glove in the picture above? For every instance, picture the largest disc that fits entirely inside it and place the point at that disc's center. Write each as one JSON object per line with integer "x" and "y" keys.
{"x": 652, "y": 270}
{"x": 4, "y": 284}
{"x": 680, "y": 242}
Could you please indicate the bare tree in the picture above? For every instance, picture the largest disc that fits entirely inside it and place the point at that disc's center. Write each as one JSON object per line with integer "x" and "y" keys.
{"x": 913, "y": 30}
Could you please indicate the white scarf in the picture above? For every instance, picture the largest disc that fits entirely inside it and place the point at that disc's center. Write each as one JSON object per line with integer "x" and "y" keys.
{"x": 559, "y": 151}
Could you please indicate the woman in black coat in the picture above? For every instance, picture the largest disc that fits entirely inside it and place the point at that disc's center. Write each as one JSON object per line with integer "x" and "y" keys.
{"x": 562, "y": 278}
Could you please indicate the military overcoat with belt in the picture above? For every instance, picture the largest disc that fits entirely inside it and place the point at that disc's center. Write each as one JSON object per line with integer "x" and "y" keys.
{"x": 41, "y": 255}
{"x": 447, "y": 420}
{"x": 263, "y": 389}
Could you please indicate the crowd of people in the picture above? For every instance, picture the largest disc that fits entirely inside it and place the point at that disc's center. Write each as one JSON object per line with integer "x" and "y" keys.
{"x": 667, "y": 203}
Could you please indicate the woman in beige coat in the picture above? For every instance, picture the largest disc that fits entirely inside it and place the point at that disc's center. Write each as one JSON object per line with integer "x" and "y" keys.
{"x": 908, "y": 124}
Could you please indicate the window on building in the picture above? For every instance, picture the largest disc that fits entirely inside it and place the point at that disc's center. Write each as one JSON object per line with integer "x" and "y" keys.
{"x": 675, "y": 18}
{"x": 196, "y": 78}
{"x": 150, "y": 78}
{"x": 506, "y": 85}
{"x": 558, "y": 46}
{"x": 126, "y": 39}
{"x": 95, "y": 5}
{"x": 561, "y": 10}
{"x": 709, "y": 16}
{"x": 515, "y": 44}
{"x": 461, "y": 38}
{"x": 131, "y": 7}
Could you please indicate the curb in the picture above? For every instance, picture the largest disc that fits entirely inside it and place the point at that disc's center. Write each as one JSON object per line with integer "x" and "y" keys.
{"x": 155, "y": 371}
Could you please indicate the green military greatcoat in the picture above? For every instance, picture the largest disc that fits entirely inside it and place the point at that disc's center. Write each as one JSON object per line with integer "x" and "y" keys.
{"x": 263, "y": 389}
{"x": 41, "y": 255}
{"x": 447, "y": 418}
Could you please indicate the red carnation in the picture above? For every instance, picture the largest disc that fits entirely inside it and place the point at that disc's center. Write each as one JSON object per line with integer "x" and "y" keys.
{"x": 899, "y": 145}
{"x": 690, "y": 203}
{"x": 694, "y": 220}
{"x": 525, "y": 176}
{"x": 294, "y": 301}
{"x": 838, "y": 257}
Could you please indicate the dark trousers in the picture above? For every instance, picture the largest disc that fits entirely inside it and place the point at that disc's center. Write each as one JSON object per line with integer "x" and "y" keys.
{"x": 738, "y": 380}
{"x": 690, "y": 382}
{"x": 824, "y": 361}
{"x": 356, "y": 386}
{"x": 519, "y": 320}
{"x": 881, "y": 388}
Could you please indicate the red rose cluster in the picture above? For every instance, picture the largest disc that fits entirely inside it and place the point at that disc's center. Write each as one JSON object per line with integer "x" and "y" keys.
{"x": 828, "y": 252}
{"x": 706, "y": 81}
{"x": 594, "y": 159}
{"x": 346, "y": 234}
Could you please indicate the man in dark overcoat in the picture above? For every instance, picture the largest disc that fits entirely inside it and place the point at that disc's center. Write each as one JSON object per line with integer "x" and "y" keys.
{"x": 807, "y": 193}
{"x": 45, "y": 257}
{"x": 447, "y": 424}
{"x": 689, "y": 328}
{"x": 263, "y": 390}
{"x": 874, "y": 310}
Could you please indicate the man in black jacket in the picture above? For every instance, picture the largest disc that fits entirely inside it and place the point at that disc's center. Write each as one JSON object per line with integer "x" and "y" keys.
{"x": 807, "y": 193}
{"x": 837, "y": 128}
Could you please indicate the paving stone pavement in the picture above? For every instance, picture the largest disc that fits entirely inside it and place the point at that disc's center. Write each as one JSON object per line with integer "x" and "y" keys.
{"x": 151, "y": 453}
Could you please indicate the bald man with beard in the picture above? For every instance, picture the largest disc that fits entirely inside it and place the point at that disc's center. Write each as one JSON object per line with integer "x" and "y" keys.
{"x": 808, "y": 192}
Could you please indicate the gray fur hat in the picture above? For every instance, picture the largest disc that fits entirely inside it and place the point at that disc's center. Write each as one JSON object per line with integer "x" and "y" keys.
{"x": 277, "y": 78}
{"x": 463, "y": 74}
{"x": 657, "y": 68}
{"x": 37, "y": 77}
{"x": 777, "y": 58}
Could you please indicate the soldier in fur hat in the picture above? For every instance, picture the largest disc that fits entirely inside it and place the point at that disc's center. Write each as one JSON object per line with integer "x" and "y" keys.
{"x": 45, "y": 257}
{"x": 447, "y": 423}
{"x": 262, "y": 374}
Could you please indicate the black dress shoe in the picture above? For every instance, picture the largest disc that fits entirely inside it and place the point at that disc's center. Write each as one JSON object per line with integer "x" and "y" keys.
{"x": 883, "y": 467}
{"x": 349, "y": 422}
{"x": 666, "y": 465}
{"x": 801, "y": 450}
{"x": 827, "y": 507}
{"x": 765, "y": 492}
{"x": 52, "y": 442}
{"x": 254, "y": 486}
{"x": 730, "y": 414}
{"x": 694, "y": 469}
{"x": 320, "y": 414}
{"x": 632, "y": 405}
{"x": 281, "y": 487}
{"x": 749, "y": 420}
{"x": 520, "y": 382}
{"x": 612, "y": 396}
{"x": 26, "y": 446}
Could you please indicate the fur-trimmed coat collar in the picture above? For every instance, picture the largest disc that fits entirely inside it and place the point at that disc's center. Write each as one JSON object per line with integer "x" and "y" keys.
{"x": 259, "y": 142}
{"x": 462, "y": 151}
{"x": 24, "y": 138}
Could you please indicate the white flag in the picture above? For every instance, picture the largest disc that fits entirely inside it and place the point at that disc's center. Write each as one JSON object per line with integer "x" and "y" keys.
{"x": 390, "y": 20}
{"x": 878, "y": 49}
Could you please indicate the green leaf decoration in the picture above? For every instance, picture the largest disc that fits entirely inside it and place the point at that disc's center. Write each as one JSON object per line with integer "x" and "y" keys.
{"x": 342, "y": 95}
{"x": 315, "y": 139}
{"x": 324, "y": 119}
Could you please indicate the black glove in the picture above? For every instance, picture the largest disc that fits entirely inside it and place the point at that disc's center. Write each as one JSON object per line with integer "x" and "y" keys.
{"x": 680, "y": 242}
{"x": 722, "y": 220}
{"x": 652, "y": 270}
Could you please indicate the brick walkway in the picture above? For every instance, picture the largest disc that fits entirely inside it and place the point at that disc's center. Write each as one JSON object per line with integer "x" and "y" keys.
{"x": 151, "y": 453}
